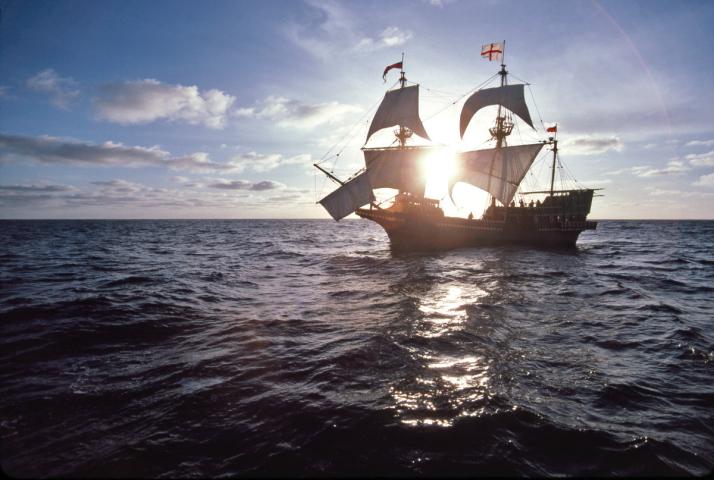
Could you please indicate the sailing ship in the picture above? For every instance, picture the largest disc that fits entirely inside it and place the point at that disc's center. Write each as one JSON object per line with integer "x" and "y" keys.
{"x": 414, "y": 222}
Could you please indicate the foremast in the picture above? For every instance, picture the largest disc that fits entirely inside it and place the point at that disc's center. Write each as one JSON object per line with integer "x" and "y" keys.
{"x": 397, "y": 167}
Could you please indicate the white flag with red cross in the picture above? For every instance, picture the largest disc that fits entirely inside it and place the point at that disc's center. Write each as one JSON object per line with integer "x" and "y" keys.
{"x": 492, "y": 51}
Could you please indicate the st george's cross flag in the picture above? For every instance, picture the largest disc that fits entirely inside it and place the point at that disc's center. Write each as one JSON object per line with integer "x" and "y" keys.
{"x": 492, "y": 51}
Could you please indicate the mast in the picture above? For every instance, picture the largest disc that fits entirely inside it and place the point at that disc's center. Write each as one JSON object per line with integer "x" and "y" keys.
{"x": 403, "y": 133}
{"x": 503, "y": 126}
{"x": 500, "y": 133}
{"x": 552, "y": 173}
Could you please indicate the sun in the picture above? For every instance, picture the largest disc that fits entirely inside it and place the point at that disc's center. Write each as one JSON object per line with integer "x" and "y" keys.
{"x": 439, "y": 166}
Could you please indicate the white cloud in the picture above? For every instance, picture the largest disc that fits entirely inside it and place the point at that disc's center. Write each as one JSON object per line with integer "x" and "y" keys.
{"x": 657, "y": 192}
{"x": 701, "y": 159}
{"x": 256, "y": 161}
{"x": 705, "y": 181}
{"x": 259, "y": 162}
{"x": 674, "y": 167}
{"x": 390, "y": 37}
{"x": 148, "y": 100}
{"x": 288, "y": 112}
{"x": 62, "y": 90}
{"x": 329, "y": 29}
{"x": 697, "y": 143}
{"x": 246, "y": 185}
{"x": 588, "y": 145}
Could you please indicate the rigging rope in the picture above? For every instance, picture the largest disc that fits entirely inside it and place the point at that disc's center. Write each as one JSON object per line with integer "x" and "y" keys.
{"x": 462, "y": 96}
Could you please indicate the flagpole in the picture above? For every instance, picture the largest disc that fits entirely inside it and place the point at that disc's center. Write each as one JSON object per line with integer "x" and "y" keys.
{"x": 402, "y": 80}
{"x": 503, "y": 55}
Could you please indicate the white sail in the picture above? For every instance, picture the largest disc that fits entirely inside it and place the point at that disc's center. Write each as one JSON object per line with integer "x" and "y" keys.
{"x": 508, "y": 96}
{"x": 349, "y": 197}
{"x": 499, "y": 171}
{"x": 399, "y": 107}
{"x": 400, "y": 168}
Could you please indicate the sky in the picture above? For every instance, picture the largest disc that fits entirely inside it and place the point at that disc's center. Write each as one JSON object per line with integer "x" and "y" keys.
{"x": 136, "y": 109}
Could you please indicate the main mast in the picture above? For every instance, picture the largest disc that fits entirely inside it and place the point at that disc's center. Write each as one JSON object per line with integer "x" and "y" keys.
{"x": 504, "y": 125}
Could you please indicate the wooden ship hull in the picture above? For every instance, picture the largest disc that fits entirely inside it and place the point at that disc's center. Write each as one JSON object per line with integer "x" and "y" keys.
{"x": 420, "y": 225}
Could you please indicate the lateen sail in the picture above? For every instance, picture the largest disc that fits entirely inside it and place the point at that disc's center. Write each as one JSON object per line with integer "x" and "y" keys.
{"x": 499, "y": 171}
{"x": 509, "y": 96}
{"x": 399, "y": 107}
{"x": 349, "y": 197}
{"x": 397, "y": 168}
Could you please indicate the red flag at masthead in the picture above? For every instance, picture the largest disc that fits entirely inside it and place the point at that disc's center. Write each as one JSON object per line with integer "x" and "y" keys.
{"x": 394, "y": 65}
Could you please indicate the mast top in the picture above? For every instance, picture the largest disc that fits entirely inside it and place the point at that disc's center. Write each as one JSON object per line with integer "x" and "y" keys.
{"x": 402, "y": 78}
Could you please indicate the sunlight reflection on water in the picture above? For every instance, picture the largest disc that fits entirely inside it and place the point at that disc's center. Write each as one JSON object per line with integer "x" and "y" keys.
{"x": 446, "y": 386}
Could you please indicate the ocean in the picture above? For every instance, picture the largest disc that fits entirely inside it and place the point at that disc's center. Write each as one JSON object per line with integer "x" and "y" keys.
{"x": 305, "y": 347}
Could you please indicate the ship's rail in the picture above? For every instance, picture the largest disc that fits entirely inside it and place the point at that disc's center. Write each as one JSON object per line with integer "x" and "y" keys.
{"x": 400, "y": 218}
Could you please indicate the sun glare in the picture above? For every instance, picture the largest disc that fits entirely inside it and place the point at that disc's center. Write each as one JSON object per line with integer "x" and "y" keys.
{"x": 438, "y": 168}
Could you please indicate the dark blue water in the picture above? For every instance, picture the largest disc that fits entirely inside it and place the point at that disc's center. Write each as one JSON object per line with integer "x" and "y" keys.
{"x": 205, "y": 348}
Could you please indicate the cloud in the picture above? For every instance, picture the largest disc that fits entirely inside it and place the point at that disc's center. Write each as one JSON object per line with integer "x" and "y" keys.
{"x": 589, "y": 145}
{"x": 674, "y": 167}
{"x": 34, "y": 188}
{"x": 288, "y": 112}
{"x": 246, "y": 185}
{"x": 117, "y": 186}
{"x": 256, "y": 161}
{"x": 148, "y": 100}
{"x": 51, "y": 150}
{"x": 62, "y": 90}
{"x": 327, "y": 30}
{"x": 136, "y": 199}
{"x": 658, "y": 192}
{"x": 701, "y": 159}
{"x": 390, "y": 37}
{"x": 54, "y": 150}
{"x": 324, "y": 25}
{"x": 697, "y": 143}
{"x": 705, "y": 181}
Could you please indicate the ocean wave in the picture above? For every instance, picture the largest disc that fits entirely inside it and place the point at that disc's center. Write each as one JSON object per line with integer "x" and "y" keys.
{"x": 258, "y": 348}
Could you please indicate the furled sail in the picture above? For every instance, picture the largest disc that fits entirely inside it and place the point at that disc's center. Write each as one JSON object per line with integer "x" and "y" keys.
{"x": 400, "y": 168}
{"x": 349, "y": 197}
{"x": 499, "y": 171}
{"x": 509, "y": 96}
{"x": 399, "y": 107}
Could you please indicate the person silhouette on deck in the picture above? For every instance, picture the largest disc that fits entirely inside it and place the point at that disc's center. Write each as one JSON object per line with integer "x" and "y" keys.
{"x": 471, "y": 216}
{"x": 531, "y": 204}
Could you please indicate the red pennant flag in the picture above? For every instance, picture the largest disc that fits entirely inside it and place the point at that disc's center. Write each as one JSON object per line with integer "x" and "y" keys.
{"x": 552, "y": 129}
{"x": 394, "y": 65}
